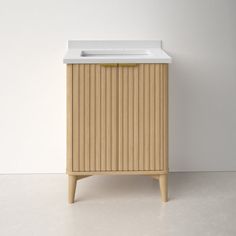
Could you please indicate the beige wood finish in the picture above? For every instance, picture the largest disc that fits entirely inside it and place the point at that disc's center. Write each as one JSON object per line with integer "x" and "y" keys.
{"x": 163, "y": 187}
{"x": 71, "y": 188}
{"x": 117, "y": 120}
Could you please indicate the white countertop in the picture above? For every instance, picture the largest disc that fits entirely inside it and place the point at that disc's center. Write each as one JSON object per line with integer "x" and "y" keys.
{"x": 115, "y": 51}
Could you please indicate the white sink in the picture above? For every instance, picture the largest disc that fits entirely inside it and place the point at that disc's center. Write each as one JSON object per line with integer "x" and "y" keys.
{"x": 115, "y": 53}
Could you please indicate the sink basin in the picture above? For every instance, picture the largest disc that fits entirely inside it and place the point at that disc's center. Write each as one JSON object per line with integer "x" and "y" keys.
{"x": 115, "y": 53}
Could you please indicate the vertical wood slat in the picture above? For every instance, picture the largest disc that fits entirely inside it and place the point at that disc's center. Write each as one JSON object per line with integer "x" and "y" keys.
{"x": 103, "y": 118}
{"x": 114, "y": 126}
{"x": 98, "y": 117}
{"x": 69, "y": 94}
{"x": 157, "y": 117}
{"x": 108, "y": 118}
{"x": 130, "y": 103}
{"x": 141, "y": 117}
{"x": 146, "y": 117}
{"x": 81, "y": 117}
{"x": 75, "y": 122}
{"x": 87, "y": 118}
{"x": 119, "y": 117}
{"x": 136, "y": 119}
{"x": 92, "y": 113}
{"x": 125, "y": 118}
{"x": 152, "y": 118}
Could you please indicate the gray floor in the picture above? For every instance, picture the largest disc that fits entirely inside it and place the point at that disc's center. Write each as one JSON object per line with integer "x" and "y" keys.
{"x": 200, "y": 204}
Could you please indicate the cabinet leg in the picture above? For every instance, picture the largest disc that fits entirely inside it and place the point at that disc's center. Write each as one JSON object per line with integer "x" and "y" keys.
{"x": 71, "y": 188}
{"x": 163, "y": 182}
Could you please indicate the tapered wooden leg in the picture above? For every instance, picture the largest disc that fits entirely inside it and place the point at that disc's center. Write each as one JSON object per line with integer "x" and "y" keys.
{"x": 71, "y": 188}
{"x": 163, "y": 182}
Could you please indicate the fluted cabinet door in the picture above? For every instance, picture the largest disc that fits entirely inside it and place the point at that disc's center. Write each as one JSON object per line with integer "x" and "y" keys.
{"x": 142, "y": 117}
{"x": 94, "y": 118}
{"x": 119, "y": 117}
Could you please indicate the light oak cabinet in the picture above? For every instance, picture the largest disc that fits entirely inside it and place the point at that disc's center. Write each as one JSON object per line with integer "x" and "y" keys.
{"x": 117, "y": 121}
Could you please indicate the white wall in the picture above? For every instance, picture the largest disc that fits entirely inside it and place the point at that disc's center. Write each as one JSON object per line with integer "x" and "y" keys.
{"x": 200, "y": 35}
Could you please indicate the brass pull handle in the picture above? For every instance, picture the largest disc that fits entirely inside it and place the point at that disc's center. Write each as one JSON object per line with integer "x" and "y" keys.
{"x": 121, "y": 64}
{"x": 127, "y": 64}
{"x": 109, "y": 65}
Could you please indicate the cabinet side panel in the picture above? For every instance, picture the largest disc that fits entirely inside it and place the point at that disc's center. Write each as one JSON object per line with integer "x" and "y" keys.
{"x": 163, "y": 73}
{"x": 75, "y": 118}
{"x": 163, "y": 134}
{"x": 165, "y": 138}
{"x": 161, "y": 116}
{"x": 69, "y": 118}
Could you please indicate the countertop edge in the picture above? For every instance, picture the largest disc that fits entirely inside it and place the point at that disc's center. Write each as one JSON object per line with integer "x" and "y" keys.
{"x": 104, "y": 61}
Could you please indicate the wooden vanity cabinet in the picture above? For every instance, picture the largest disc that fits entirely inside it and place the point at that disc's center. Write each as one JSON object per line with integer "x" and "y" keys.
{"x": 117, "y": 121}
